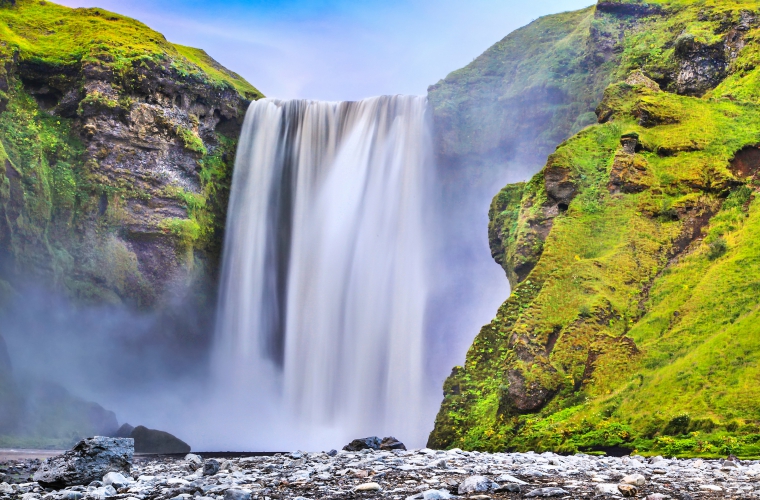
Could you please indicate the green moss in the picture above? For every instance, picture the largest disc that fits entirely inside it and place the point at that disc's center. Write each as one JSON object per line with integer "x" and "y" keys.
{"x": 639, "y": 329}
{"x": 57, "y": 36}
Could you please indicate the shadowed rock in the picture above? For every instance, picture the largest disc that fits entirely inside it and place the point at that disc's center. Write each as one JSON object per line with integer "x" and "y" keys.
{"x": 160, "y": 442}
{"x": 368, "y": 443}
{"x": 88, "y": 461}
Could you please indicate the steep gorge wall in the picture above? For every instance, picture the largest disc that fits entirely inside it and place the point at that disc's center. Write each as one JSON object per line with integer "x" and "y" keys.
{"x": 117, "y": 149}
{"x": 632, "y": 257}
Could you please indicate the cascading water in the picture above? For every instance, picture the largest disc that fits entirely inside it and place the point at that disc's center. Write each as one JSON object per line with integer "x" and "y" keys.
{"x": 324, "y": 284}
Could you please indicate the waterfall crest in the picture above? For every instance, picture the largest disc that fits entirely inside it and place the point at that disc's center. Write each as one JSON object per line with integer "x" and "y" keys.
{"x": 324, "y": 282}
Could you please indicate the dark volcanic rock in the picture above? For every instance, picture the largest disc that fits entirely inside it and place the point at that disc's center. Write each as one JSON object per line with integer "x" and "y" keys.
{"x": 368, "y": 443}
{"x": 391, "y": 443}
{"x": 159, "y": 442}
{"x": 88, "y": 461}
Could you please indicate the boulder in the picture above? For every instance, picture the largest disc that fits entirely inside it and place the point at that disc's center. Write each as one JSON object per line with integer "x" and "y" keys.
{"x": 88, "y": 461}
{"x": 391, "y": 443}
{"x": 211, "y": 467}
{"x": 157, "y": 442}
{"x": 476, "y": 484}
{"x": 368, "y": 443}
{"x": 237, "y": 494}
{"x": 116, "y": 479}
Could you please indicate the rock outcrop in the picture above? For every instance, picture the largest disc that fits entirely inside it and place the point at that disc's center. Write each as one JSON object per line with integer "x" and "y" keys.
{"x": 157, "y": 442}
{"x": 88, "y": 461}
{"x": 117, "y": 149}
{"x": 632, "y": 257}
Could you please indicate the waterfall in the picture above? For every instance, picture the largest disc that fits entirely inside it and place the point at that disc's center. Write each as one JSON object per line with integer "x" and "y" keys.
{"x": 324, "y": 281}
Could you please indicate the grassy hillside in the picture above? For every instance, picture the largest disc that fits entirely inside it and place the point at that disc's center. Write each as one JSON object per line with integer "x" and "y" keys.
{"x": 634, "y": 260}
{"x": 41, "y": 32}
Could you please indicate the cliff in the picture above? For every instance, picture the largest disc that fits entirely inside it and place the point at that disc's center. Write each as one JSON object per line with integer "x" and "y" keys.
{"x": 632, "y": 254}
{"x": 116, "y": 155}
{"x": 117, "y": 149}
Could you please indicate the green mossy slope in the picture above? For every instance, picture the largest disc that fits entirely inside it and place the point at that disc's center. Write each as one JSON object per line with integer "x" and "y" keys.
{"x": 633, "y": 257}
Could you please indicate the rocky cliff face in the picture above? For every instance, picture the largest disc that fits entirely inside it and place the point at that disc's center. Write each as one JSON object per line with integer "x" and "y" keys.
{"x": 632, "y": 257}
{"x": 117, "y": 149}
{"x": 116, "y": 154}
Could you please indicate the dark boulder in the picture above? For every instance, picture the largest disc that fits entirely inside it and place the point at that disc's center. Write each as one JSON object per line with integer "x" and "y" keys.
{"x": 157, "y": 442}
{"x": 368, "y": 443}
{"x": 211, "y": 467}
{"x": 88, "y": 461}
{"x": 391, "y": 443}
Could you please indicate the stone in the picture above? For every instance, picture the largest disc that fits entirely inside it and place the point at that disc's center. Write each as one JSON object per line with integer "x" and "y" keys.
{"x": 116, "y": 479}
{"x": 657, "y": 496}
{"x": 710, "y": 487}
{"x": 30, "y": 496}
{"x": 210, "y": 467}
{"x": 368, "y": 443}
{"x": 89, "y": 460}
{"x": 547, "y": 492}
{"x": 506, "y": 478}
{"x": 5, "y": 488}
{"x": 332, "y": 453}
{"x": 436, "y": 495}
{"x": 476, "y": 484}
{"x": 509, "y": 487}
{"x": 634, "y": 479}
{"x": 193, "y": 459}
{"x": 606, "y": 489}
{"x": 391, "y": 443}
{"x": 368, "y": 487}
{"x": 237, "y": 494}
{"x": 628, "y": 490}
{"x": 152, "y": 441}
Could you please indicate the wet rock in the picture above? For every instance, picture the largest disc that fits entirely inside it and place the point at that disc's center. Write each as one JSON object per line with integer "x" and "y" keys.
{"x": 510, "y": 487}
{"x": 634, "y": 479}
{"x": 210, "y": 467}
{"x": 193, "y": 459}
{"x": 436, "y": 495}
{"x": 628, "y": 490}
{"x": 368, "y": 487}
{"x": 391, "y": 443}
{"x": 237, "y": 494}
{"x": 368, "y": 443}
{"x": 157, "y": 442}
{"x": 476, "y": 484}
{"x": 606, "y": 489}
{"x": 115, "y": 479}
{"x": 547, "y": 492}
{"x": 89, "y": 460}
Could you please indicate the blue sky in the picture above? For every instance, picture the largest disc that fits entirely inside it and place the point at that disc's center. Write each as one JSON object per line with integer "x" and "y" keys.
{"x": 337, "y": 49}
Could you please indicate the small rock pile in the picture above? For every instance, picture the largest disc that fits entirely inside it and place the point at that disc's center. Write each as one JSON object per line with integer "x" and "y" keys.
{"x": 410, "y": 475}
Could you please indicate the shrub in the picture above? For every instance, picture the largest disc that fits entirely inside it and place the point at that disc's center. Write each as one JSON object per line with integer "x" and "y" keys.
{"x": 717, "y": 249}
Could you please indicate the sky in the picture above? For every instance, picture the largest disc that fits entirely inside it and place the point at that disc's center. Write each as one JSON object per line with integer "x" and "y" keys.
{"x": 337, "y": 49}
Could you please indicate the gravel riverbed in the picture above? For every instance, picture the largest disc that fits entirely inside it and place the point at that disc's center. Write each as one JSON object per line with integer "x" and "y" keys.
{"x": 416, "y": 474}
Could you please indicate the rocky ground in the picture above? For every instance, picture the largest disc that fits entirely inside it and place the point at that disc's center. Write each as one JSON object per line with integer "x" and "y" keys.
{"x": 416, "y": 474}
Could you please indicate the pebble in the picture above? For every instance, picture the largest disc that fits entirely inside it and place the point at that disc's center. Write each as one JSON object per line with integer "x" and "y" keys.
{"x": 368, "y": 487}
{"x": 405, "y": 475}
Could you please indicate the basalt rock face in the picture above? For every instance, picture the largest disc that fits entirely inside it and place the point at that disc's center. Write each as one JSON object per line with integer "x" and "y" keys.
{"x": 117, "y": 149}
{"x": 632, "y": 255}
{"x": 88, "y": 461}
